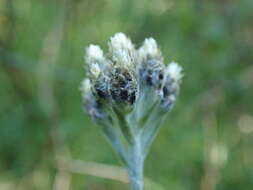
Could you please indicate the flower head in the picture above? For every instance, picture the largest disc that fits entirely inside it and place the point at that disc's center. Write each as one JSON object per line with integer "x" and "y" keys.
{"x": 121, "y": 50}
{"x": 85, "y": 88}
{"x": 120, "y": 78}
{"x": 129, "y": 92}
{"x": 94, "y": 54}
{"x": 149, "y": 49}
{"x": 175, "y": 71}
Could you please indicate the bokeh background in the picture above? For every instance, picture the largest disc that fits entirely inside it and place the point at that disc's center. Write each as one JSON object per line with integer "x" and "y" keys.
{"x": 48, "y": 142}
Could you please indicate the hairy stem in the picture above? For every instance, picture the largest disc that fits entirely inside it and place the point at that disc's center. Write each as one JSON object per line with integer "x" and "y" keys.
{"x": 135, "y": 165}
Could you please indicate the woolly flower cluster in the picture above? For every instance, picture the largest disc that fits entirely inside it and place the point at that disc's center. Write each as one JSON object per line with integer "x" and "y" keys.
{"x": 128, "y": 93}
{"x": 118, "y": 78}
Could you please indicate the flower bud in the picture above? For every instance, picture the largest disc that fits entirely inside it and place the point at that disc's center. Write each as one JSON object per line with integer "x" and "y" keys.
{"x": 121, "y": 50}
{"x": 128, "y": 94}
{"x": 174, "y": 71}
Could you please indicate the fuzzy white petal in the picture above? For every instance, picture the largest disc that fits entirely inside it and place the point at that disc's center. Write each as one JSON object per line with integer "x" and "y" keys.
{"x": 121, "y": 49}
{"x": 149, "y": 48}
{"x": 93, "y": 54}
{"x": 85, "y": 87}
{"x": 174, "y": 71}
{"x": 95, "y": 70}
{"x": 120, "y": 41}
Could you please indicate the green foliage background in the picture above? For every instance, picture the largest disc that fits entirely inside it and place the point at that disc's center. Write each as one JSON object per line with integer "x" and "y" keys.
{"x": 206, "y": 142}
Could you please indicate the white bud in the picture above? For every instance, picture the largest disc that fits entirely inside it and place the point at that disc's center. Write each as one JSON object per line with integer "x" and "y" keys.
{"x": 95, "y": 70}
{"x": 120, "y": 41}
{"x": 149, "y": 48}
{"x": 174, "y": 71}
{"x": 85, "y": 87}
{"x": 93, "y": 54}
{"x": 121, "y": 49}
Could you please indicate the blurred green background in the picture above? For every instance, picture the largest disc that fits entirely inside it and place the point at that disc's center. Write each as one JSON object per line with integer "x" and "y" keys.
{"x": 206, "y": 142}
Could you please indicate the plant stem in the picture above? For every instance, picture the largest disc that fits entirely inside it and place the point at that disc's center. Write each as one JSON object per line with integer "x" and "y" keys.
{"x": 135, "y": 165}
